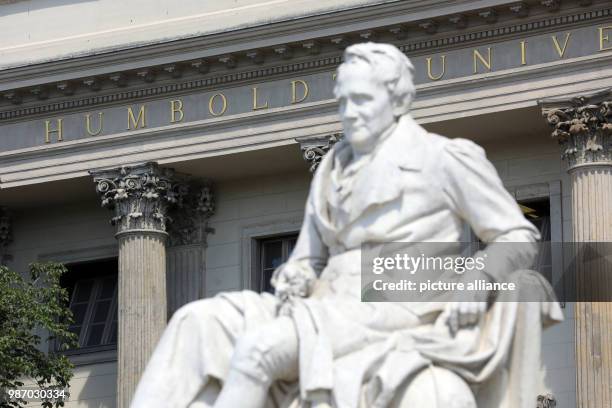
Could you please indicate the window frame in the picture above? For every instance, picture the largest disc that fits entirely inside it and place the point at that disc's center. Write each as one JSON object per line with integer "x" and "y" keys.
{"x": 91, "y": 306}
{"x": 552, "y": 191}
{"x": 252, "y": 234}
{"x": 259, "y": 284}
{"x": 78, "y": 357}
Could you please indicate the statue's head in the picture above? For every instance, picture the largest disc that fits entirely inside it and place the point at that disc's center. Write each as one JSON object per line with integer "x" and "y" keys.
{"x": 374, "y": 87}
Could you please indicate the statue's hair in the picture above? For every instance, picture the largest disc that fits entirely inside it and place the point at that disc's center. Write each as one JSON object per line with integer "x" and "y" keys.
{"x": 390, "y": 67}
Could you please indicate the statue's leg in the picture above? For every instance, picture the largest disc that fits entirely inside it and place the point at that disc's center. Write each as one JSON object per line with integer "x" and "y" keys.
{"x": 197, "y": 346}
{"x": 262, "y": 356}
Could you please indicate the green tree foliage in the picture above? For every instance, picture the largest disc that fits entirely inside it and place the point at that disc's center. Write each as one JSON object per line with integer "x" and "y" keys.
{"x": 26, "y": 307}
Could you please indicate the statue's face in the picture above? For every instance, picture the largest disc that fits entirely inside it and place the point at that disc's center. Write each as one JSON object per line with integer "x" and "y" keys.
{"x": 366, "y": 107}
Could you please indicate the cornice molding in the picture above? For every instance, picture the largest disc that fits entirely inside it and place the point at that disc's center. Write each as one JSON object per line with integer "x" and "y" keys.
{"x": 330, "y": 49}
{"x": 173, "y": 88}
{"x": 500, "y": 32}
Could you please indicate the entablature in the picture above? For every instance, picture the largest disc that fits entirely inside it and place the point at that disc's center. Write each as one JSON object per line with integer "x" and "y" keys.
{"x": 483, "y": 61}
{"x": 418, "y": 28}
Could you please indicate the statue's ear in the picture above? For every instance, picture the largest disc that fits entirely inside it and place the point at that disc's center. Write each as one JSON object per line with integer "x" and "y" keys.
{"x": 401, "y": 94}
{"x": 398, "y": 107}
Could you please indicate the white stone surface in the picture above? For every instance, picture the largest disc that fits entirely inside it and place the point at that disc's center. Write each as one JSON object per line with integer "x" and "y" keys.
{"x": 35, "y": 31}
{"x": 84, "y": 225}
{"x": 47, "y": 29}
{"x": 388, "y": 180}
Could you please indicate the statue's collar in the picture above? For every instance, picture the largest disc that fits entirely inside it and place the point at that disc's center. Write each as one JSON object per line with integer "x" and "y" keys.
{"x": 381, "y": 179}
{"x": 403, "y": 147}
{"x": 406, "y": 146}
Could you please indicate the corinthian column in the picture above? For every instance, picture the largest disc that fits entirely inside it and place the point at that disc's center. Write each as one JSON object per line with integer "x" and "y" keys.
{"x": 583, "y": 128}
{"x": 140, "y": 197}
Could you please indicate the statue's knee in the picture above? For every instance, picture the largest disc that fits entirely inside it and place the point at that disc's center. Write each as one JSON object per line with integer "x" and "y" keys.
{"x": 249, "y": 354}
{"x": 251, "y": 345}
{"x": 435, "y": 387}
{"x": 262, "y": 356}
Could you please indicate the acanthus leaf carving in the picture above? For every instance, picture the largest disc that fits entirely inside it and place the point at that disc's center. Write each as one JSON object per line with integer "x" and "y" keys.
{"x": 583, "y": 128}
{"x": 315, "y": 148}
{"x": 190, "y": 216}
{"x": 139, "y": 195}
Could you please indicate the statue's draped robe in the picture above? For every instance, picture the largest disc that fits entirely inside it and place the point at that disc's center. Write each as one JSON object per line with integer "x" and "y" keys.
{"x": 415, "y": 187}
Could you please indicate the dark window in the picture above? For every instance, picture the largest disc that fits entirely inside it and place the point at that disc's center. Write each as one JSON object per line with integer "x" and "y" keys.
{"x": 272, "y": 253}
{"x": 538, "y": 212}
{"x": 93, "y": 301}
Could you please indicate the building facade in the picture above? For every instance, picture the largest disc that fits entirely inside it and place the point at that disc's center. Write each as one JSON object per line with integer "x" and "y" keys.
{"x": 164, "y": 153}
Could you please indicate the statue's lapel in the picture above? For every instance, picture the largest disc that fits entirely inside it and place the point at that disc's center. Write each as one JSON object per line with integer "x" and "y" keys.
{"x": 383, "y": 179}
{"x": 320, "y": 188}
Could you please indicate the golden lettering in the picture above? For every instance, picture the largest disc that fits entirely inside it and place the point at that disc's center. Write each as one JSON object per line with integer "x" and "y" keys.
{"x": 485, "y": 62}
{"x": 441, "y": 74}
{"x": 88, "y": 124}
{"x": 523, "y": 52}
{"x": 255, "y": 107}
{"x": 211, "y": 103}
{"x": 560, "y": 50}
{"x": 176, "y": 106}
{"x": 604, "y": 38}
{"x": 140, "y": 121}
{"x": 305, "y": 91}
{"x": 334, "y": 76}
{"x": 57, "y": 130}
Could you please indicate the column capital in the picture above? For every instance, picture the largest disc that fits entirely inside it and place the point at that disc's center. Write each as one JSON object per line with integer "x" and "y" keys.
{"x": 315, "y": 148}
{"x": 190, "y": 215}
{"x": 140, "y": 196}
{"x": 546, "y": 401}
{"x": 583, "y": 126}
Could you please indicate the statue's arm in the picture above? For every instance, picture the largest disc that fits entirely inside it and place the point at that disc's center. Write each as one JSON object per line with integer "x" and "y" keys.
{"x": 477, "y": 194}
{"x": 296, "y": 277}
{"x": 310, "y": 250}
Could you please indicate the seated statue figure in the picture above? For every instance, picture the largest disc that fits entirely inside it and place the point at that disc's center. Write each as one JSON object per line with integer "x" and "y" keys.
{"x": 314, "y": 343}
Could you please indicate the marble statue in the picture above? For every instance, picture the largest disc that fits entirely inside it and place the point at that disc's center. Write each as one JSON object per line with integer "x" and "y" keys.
{"x": 314, "y": 343}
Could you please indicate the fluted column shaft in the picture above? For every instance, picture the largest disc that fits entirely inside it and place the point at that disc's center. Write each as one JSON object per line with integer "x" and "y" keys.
{"x": 592, "y": 203}
{"x": 140, "y": 197}
{"x": 592, "y": 222}
{"x": 142, "y": 305}
{"x": 583, "y": 127}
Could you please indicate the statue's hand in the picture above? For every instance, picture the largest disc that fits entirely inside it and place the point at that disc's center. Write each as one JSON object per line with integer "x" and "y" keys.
{"x": 290, "y": 281}
{"x": 462, "y": 314}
